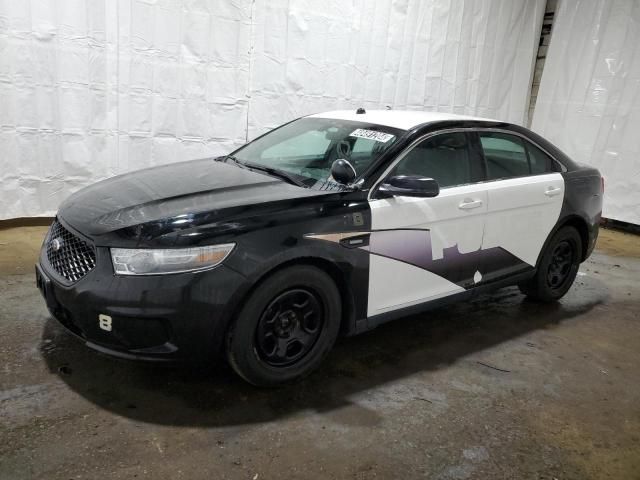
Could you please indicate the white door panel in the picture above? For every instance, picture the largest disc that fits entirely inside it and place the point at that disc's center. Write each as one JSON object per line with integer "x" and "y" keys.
{"x": 445, "y": 216}
{"x": 394, "y": 284}
{"x": 453, "y": 222}
{"x": 521, "y": 213}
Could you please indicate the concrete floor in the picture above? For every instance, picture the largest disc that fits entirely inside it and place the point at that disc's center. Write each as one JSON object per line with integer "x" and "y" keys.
{"x": 497, "y": 388}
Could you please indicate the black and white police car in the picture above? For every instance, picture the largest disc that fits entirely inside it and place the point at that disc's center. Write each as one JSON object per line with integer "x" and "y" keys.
{"x": 332, "y": 223}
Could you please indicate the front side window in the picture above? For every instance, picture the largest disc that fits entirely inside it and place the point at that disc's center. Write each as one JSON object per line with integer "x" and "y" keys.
{"x": 306, "y": 148}
{"x": 445, "y": 158}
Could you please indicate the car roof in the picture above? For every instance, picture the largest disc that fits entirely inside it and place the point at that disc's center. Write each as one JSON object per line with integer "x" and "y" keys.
{"x": 401, "y": 119}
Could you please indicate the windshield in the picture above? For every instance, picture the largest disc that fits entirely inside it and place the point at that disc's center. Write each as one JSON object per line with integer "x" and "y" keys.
{"x": 306, "y": 148}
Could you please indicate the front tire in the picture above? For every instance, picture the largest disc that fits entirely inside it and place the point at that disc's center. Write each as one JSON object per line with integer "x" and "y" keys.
{"x": 558, "y": 267}
{"x": 286, "y": 328}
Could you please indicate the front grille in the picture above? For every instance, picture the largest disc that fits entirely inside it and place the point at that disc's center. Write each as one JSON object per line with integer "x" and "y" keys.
{"x": 69, "y": 255}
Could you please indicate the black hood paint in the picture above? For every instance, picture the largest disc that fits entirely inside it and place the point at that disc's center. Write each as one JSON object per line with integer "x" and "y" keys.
{"x": 176, "y": 192}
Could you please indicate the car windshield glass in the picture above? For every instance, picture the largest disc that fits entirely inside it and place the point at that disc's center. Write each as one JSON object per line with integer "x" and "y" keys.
{"x": 306, "y": 148}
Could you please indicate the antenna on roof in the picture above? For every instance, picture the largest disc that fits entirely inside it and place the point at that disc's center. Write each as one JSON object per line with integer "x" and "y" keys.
{"x": 388, "y": 107}
{"x": 360, "y": 111}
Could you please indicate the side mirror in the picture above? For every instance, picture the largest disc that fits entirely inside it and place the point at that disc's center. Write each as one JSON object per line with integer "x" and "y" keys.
{"x": 408, "y": 186}
{"x": 343, "y": 172}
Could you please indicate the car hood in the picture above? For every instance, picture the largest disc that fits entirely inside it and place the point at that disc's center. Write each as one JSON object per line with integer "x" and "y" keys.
{"x": 176, "y": 191}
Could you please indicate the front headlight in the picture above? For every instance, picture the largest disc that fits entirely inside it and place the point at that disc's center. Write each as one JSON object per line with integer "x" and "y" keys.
{"x": 151, "y": 261}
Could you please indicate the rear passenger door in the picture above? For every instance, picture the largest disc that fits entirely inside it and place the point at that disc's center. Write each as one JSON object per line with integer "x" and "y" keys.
{"x": 422, "y": 249}
{"x": 525, "y": 197}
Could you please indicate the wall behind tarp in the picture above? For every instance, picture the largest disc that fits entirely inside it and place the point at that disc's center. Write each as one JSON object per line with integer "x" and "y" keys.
{"x": 589, "y": 98}
{"x": 90, "y": 89}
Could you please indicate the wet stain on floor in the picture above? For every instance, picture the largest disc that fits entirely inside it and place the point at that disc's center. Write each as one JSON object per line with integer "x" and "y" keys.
{"x": 499, "y": 387}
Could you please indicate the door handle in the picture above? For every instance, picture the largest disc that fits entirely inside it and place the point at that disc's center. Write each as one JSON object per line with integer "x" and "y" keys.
{"x": 468, "y": 204}
{"x": 552, "y": 191}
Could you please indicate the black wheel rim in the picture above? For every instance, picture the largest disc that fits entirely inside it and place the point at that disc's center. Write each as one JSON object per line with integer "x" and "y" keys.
{"x": 289, "y": 327}
{"x": 562, "y": 260}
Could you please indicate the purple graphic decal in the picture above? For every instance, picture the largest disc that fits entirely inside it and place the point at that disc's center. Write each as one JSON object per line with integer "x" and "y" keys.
{"x": 414, "y": 247}
{"x": 409, "y": 246}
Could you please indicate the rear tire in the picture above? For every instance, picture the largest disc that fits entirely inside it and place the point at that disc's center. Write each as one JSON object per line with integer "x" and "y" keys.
{"x": 558, "y": 267}
{"x": 286, "y": 328}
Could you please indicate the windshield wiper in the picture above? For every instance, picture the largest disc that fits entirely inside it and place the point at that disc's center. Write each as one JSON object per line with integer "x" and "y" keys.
{"x": 274, "y": 172}
{"x": 224, "y": 158}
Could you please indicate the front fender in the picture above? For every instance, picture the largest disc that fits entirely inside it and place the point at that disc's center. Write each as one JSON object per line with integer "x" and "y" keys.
{"x": 349, "y": 267}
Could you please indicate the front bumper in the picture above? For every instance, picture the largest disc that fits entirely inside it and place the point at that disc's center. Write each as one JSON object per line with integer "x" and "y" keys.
{"x": 155, "y": 317}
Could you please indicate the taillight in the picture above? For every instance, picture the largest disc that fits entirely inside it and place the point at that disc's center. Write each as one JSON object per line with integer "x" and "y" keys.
{"x": 602, "y": 185}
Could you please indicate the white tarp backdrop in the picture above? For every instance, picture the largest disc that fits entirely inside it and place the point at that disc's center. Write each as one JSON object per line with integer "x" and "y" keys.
{"x": 90, "y": 89}
{"x": 589, "y": 98}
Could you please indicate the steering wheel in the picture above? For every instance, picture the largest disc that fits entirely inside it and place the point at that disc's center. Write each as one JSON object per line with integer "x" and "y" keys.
{"x": 343, "y": 149}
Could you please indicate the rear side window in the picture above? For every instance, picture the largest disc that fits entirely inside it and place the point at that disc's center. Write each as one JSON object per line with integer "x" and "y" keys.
{"x": 445, "y": 158}
{"x": 505, "y": 155}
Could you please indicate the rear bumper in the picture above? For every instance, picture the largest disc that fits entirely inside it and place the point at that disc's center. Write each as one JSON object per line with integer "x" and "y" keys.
{"x": 166, "y": 317}
{"x": 593, "y": 238}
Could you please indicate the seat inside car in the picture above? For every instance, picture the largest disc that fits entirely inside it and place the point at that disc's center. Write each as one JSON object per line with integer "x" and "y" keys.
{"x": 444, "y": 158}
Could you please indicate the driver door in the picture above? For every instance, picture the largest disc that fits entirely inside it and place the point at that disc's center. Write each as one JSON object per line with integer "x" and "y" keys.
{"x": 422, "y": 249}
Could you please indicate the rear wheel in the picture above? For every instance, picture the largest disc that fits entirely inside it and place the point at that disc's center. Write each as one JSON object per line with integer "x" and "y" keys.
{"x": 286, "y": 328}
{"x": 558, "y": 267}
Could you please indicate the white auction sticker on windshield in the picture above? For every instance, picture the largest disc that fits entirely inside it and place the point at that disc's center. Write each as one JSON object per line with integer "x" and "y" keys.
{"x": 371, "y": 135}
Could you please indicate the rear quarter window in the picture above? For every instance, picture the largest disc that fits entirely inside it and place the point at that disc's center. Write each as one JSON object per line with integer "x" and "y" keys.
{"x": 540, "y": 162}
